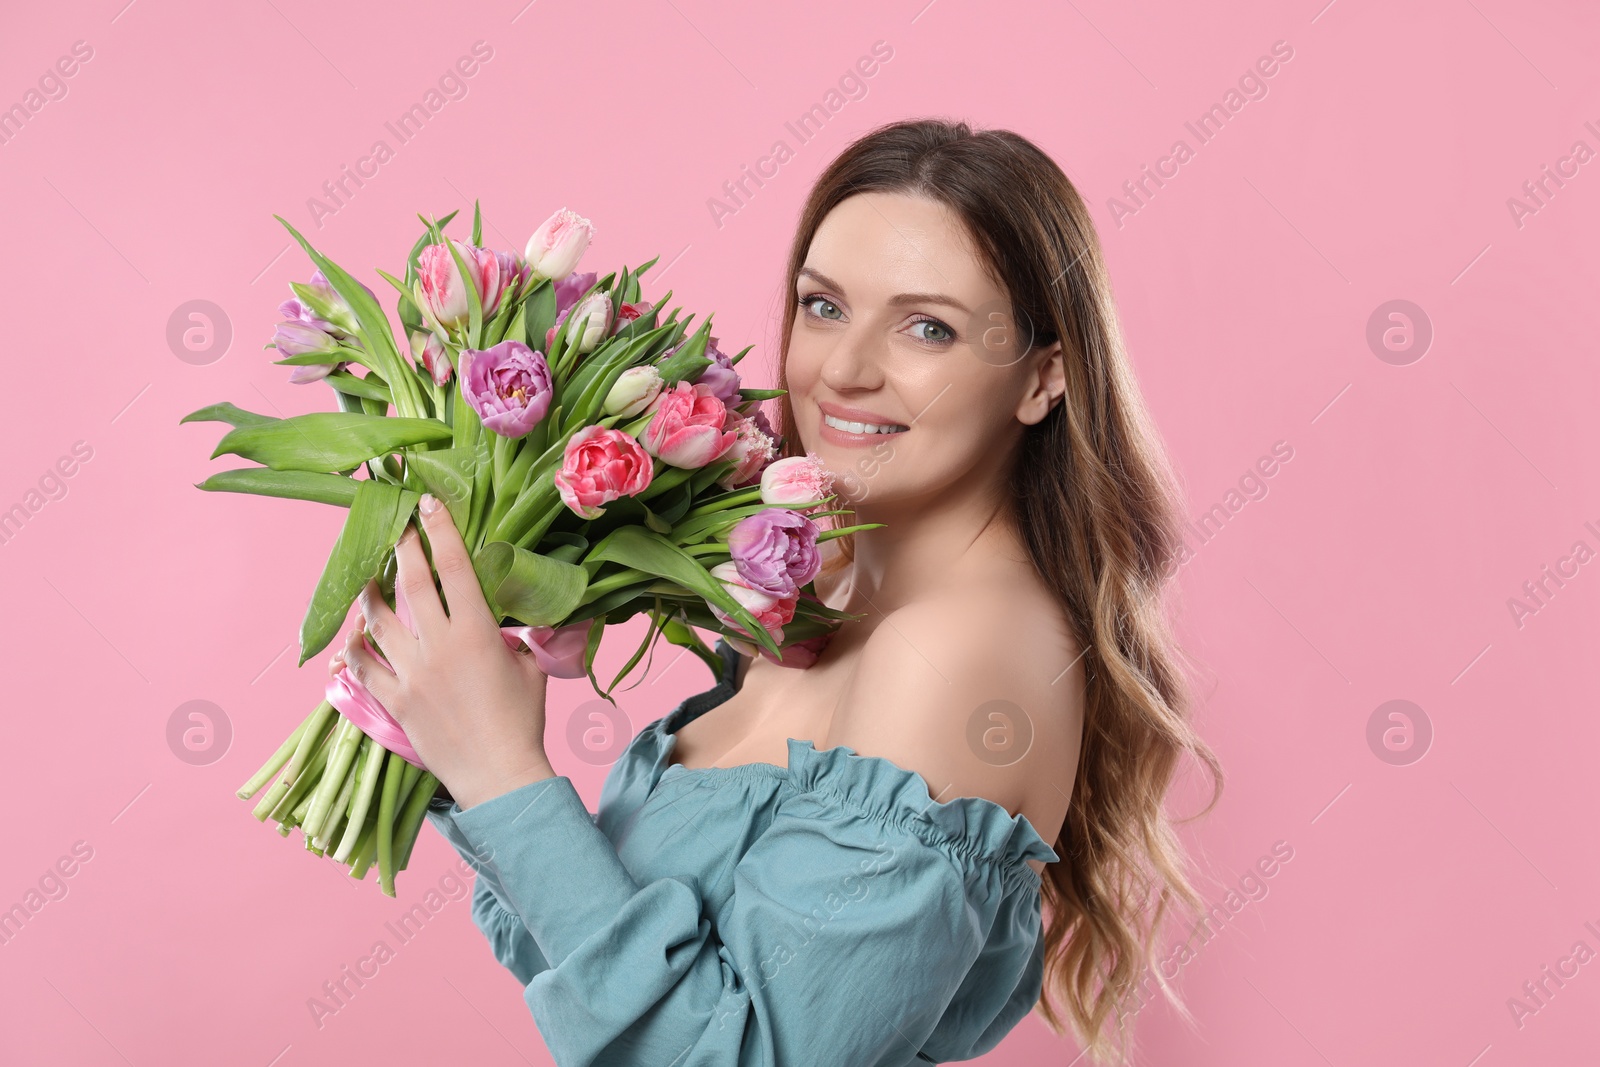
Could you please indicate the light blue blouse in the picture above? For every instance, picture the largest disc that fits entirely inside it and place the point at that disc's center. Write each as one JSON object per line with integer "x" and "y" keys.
{"x": 826, "y": 914}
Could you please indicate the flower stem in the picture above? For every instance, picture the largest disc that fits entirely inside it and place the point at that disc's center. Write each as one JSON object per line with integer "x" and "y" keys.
{"x": 346, "y": 743}
{"x": 411, "y": 819}
{"x": 391, "y": 790}
{"x": 311, "y": 736}
{"x": 336, "y": 814}
{"x": 367, "y": 843}
{"x": 278, "y": 759}
{"x": 294, "y": 803}
{"x": 372, "y": 755}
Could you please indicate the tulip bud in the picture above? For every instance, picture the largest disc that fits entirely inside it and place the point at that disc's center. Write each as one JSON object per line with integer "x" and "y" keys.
{"x": 594, "y": 312}
{"x": 558, "y": 244}
{"x": 635, "y": 388}
{"x": 296, "y": 337}
{"x": 428, "y": 350}
{"x": 299, "y": 339}
{"x": 628, "y": 312}
{"x": 324, "y": 307}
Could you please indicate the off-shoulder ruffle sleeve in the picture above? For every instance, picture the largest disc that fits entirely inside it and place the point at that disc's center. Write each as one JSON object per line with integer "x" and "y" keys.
{"x": 858, "y": 915}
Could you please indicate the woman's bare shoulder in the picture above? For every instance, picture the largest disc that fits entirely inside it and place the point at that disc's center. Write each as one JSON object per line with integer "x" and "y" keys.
{"x": 1004, "y": 616}
{"x": 977, "y": 689}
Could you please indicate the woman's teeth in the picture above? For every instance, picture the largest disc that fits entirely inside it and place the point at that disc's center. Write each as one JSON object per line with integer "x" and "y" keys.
{"x": 862, "y": 427}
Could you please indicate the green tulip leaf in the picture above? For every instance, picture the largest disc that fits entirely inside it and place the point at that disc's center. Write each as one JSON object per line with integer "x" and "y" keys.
{"x": 295, "y": 485}
{"x": 643, "y": 550}
{"x": 533, "y": 589}
{"x": 377, "y": 517}
{"x": 539, "y": 314}
{"x": 448, "y": 473}
{"x": 688, "y": 361}
{"x": 226, "y": 412}
{"x": 372, "y": 387}
{"x": 327, "y": 440}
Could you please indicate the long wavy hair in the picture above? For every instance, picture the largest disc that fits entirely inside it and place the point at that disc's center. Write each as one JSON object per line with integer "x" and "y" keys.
{"x": 1098, "y": 505}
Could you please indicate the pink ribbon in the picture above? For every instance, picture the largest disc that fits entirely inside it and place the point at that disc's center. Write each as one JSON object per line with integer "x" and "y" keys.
{"x": 559, "y": 653}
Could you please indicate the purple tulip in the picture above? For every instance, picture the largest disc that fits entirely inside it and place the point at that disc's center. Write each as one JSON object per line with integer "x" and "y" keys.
{"x": 322, "y": 306}
{"x": 297, "y": 338}
{"x": 569, "y": 291}
{"x": 570, "y": 288}
{"x": 720, "y": 375}
{"x": 508, "y": 385}
{"x": 775, "y": 551}
{"x": 295, "y": 311}
{"x": 513, "y": 273}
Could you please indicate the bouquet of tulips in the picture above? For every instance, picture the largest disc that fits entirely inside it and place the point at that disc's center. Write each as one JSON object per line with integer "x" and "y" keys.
{"x": 599, "y": 460}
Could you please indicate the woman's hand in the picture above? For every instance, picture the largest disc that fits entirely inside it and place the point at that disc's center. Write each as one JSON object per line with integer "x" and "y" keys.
{"x": 473, "y": 708}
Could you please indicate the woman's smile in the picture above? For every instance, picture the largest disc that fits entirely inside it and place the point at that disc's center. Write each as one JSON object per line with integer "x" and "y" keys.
{"x": 854, "y": 427}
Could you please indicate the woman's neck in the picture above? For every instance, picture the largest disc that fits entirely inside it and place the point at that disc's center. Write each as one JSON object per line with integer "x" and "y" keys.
{"x": 924, "y": 544}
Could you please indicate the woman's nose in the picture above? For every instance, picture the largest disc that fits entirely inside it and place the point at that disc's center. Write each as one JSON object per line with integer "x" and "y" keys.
{"x": 854, "y": 363}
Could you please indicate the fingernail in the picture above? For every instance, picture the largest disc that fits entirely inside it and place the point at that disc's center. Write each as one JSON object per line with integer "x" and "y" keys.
{"x": 429, "y": 504}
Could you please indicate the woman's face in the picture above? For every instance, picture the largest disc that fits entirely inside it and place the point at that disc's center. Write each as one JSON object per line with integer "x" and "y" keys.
{"x": 900, "y": 326}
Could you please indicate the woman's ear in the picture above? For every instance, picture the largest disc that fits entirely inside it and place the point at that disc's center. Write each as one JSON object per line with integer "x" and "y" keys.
{"x": 1046, "y": 385}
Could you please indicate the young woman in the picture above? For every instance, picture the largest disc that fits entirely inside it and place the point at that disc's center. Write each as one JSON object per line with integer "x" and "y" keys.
{"x": 850, "y": 864}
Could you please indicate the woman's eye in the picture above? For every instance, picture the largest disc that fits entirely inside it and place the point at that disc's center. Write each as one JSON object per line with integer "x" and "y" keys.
{"x": 941, "y": 334}
{"x": 807, "y": 302}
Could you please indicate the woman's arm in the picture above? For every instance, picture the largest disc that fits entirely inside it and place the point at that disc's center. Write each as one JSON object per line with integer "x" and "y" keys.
{"x": 513, "y": 947}
{"x": 844, "y": 942}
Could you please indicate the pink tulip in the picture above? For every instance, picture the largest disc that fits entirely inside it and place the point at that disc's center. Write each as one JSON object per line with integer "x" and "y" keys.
{"x": 320, "y": 305}
{"x": 297, "y": 337}
{"x": 627, "y": 313}
{"x": 428, "y": 350}
{"x": 513, "y": 272}
{"x": 772, "y": 612}
{"x": 558, "y": 244}
{"x": 796, "y": 482}
{"x": 599, "y": 465}
{"x": 720, "y": 375}
{"x": 441, "y": 292}
{"x": 570, "y": 288}
{"x": 686, "y": 427}
{"x": 752, "y": 450}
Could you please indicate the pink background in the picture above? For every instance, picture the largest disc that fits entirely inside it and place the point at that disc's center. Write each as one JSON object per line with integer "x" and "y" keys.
{"x": 1379, "y": 565}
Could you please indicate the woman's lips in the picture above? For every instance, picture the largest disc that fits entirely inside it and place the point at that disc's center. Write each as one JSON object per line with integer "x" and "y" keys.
{"x": 847, "y": 439}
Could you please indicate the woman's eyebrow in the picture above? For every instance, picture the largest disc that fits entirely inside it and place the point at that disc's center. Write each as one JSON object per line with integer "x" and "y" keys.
{"x": 897, "y": 299}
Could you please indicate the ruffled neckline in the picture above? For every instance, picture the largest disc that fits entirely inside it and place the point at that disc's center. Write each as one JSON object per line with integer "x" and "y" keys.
{"x": 975, "y": 828}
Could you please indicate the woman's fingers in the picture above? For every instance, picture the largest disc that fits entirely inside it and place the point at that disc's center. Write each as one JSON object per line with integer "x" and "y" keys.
{"x": 456, "y": 574}
{"x": 379, "y": 680}
{"x": 413, "y": 586}
{"x": 397, "y": 643}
